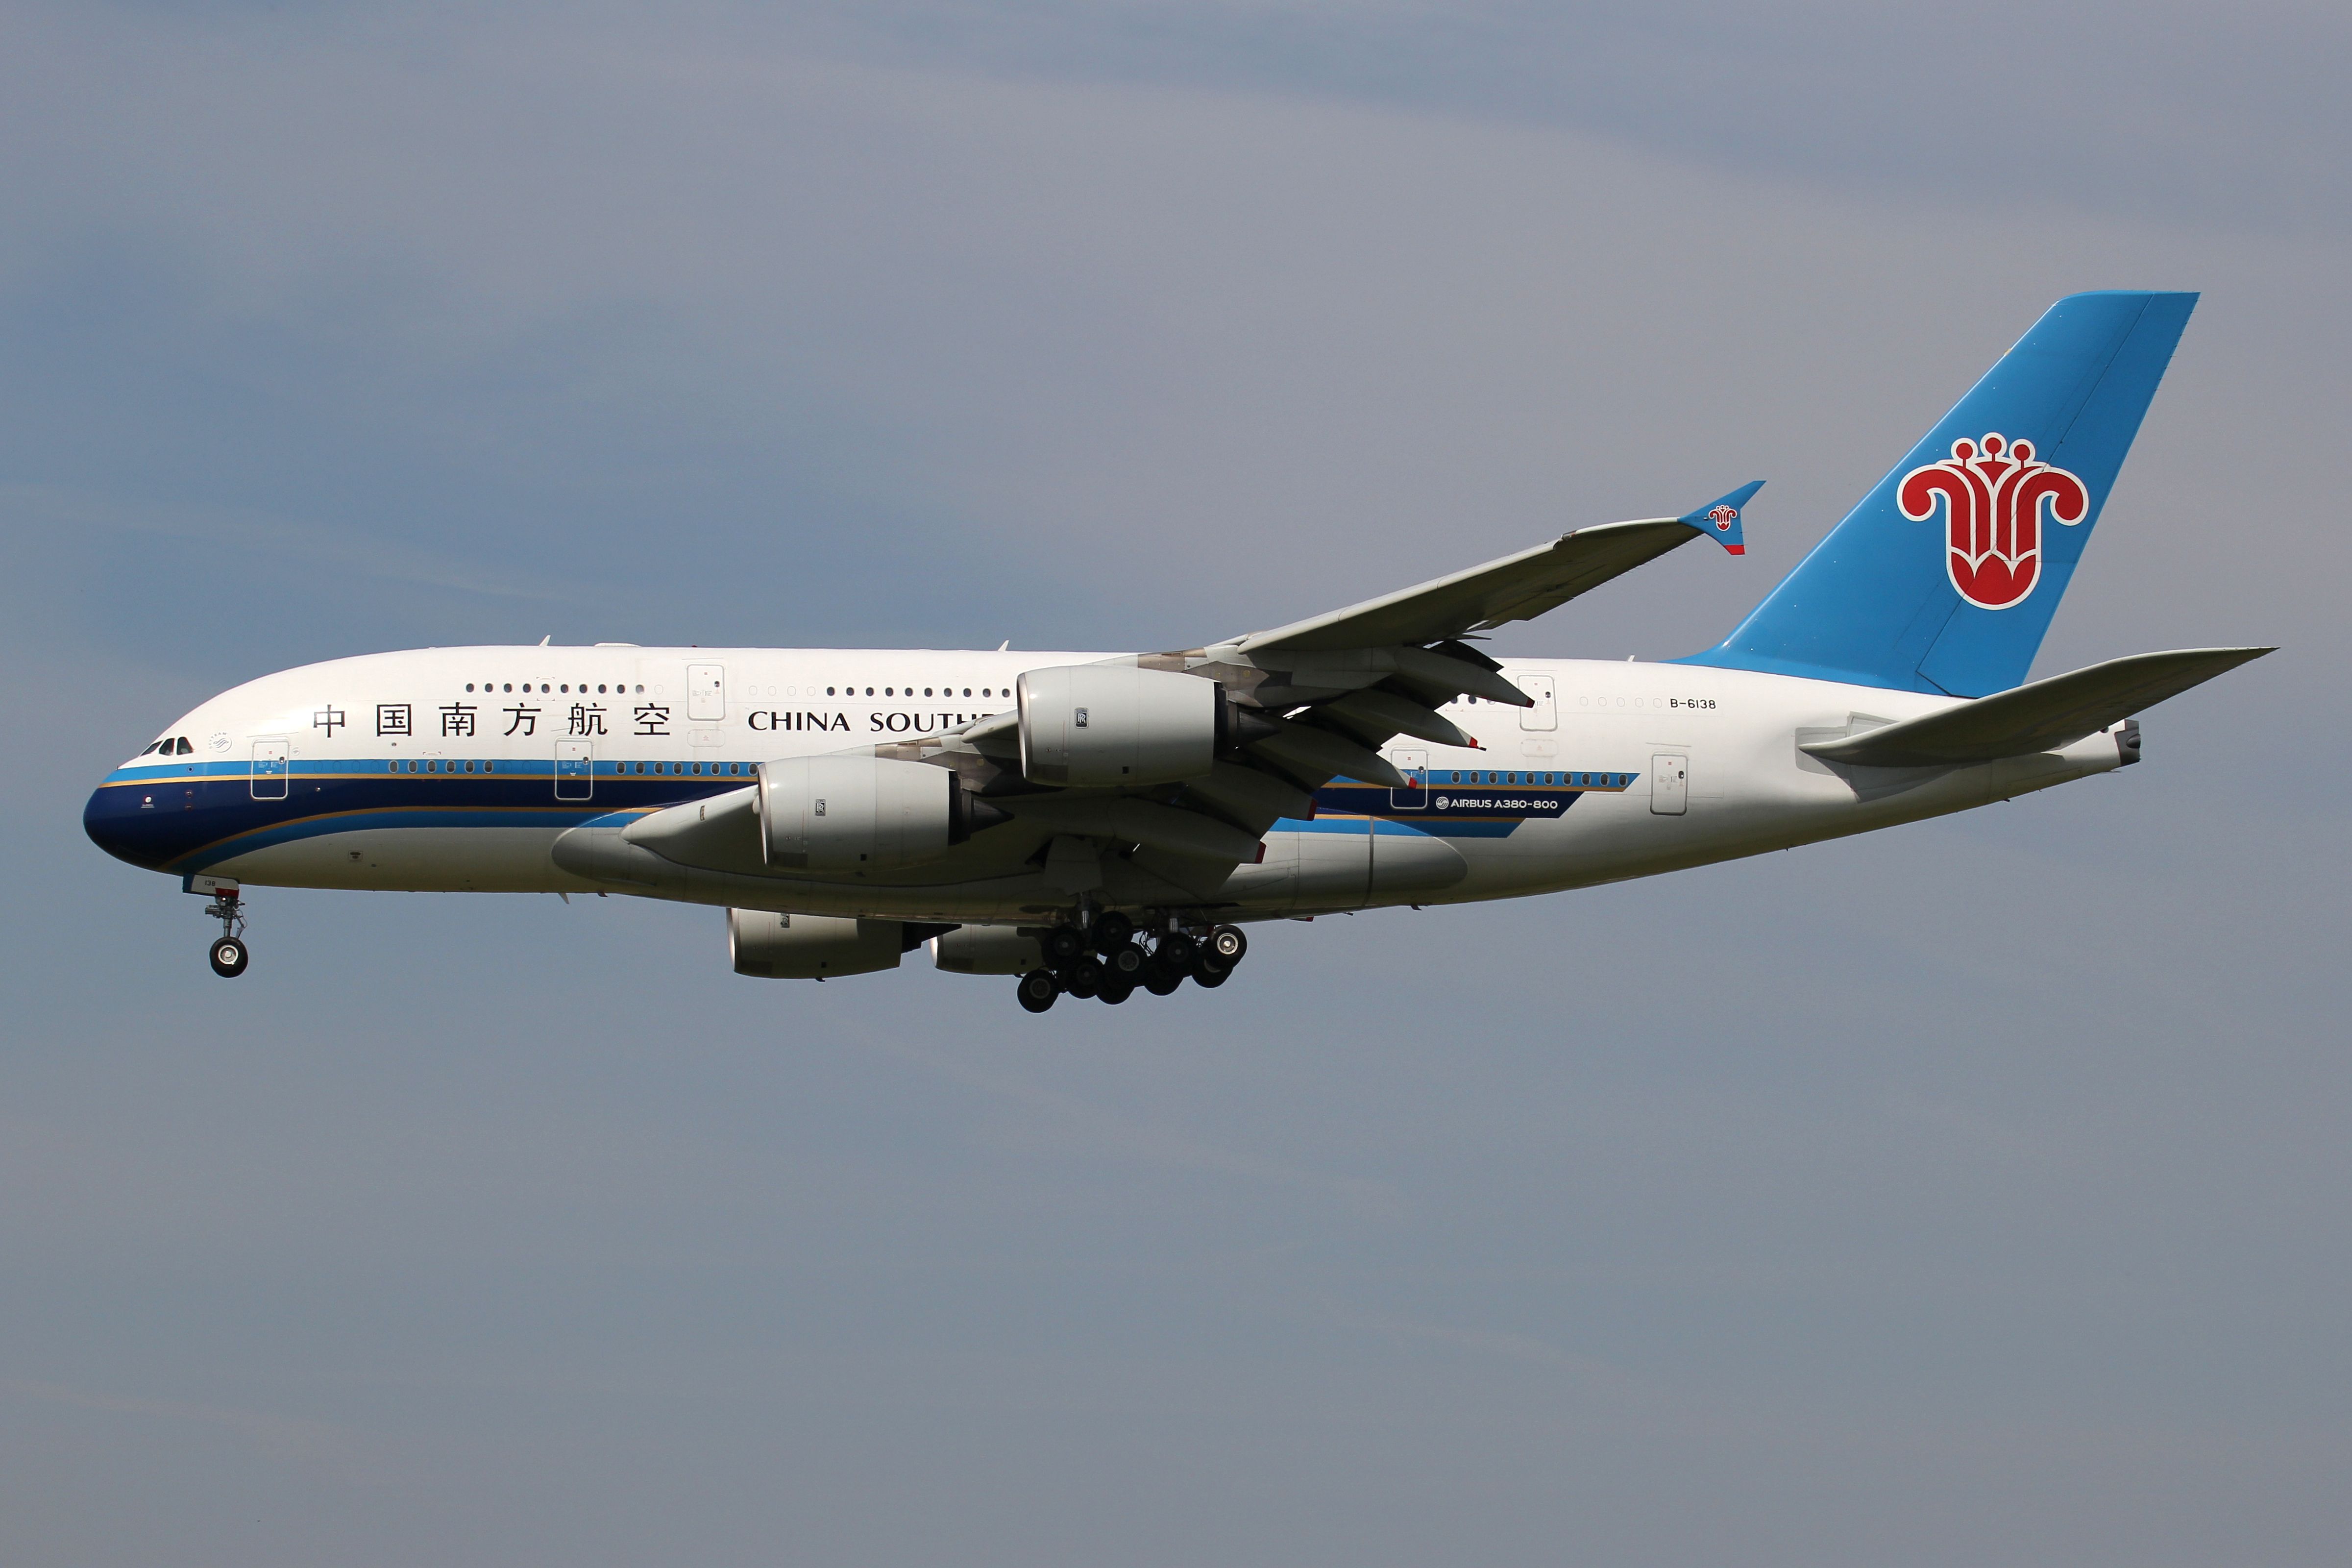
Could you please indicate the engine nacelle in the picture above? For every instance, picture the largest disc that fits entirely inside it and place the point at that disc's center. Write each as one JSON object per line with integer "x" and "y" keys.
{"x": 1103, "y": 725}
{"x": 858, "y": 814}
{"x": 817, "y": 947}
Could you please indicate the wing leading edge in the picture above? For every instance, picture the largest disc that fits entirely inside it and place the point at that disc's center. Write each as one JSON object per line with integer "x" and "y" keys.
{"x": 1516, "y": 588}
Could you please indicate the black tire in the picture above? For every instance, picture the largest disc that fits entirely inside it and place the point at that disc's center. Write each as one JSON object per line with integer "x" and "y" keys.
{"x": 1062, "y": 944}
{"x": 1127, "y": 961}
{"x": 1038, "y": 990}
{"x": 1163, "y": 979}
{"x": 229, "y": 956}
{"x": 1176, "y": 950}
{"x": 1229, "y": 944}
{"x": 1111, "y": 931}
{"x": 1209, "y": 977}
{"x": 1083, "y": 979}
{"x": 1116, "y": 991}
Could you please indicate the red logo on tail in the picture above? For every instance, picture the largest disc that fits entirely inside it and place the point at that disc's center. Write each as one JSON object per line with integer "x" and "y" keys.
{"x": 1993, "y": 500}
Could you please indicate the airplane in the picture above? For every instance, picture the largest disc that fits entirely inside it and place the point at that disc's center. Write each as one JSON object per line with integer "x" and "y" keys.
{"x": 1094, "y": 824}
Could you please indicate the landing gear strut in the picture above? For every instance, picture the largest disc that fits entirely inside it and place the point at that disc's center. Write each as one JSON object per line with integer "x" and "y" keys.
{"x": 229, "y": 953}
{"x": 1111, "y": 960}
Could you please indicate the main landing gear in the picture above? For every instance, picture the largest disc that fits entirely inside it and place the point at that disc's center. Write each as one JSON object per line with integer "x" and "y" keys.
{"x": 1110, "y": 962}
{"x": 229, "y": 953}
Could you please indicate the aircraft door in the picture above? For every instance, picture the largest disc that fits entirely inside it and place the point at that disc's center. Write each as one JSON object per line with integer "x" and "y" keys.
{"x": 1669, "y": 785}
{"x": 1414, "y": 765}
{"x": 576, "y": 765}
{"x": 706, "y": 693}
{"x": 1545, "y": 714}
{"x": 270, "y": 770}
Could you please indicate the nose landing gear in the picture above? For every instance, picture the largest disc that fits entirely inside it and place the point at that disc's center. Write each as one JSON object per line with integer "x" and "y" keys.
{"x": 229, "y": 954}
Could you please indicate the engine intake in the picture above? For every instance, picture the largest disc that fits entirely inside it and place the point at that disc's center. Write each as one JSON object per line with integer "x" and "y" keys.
{"x": 1103, "y": 725}
{"x": 855, "y": 814}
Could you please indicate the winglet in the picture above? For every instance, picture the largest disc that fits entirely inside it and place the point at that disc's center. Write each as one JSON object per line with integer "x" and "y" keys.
{"x": 1719, "y": 519}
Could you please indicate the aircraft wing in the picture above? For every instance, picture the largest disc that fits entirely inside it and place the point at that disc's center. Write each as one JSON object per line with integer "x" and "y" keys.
{"x": 1317, "y": 699}
{"x": 1305, "y": 704}
{"x": 1516, "y": 588}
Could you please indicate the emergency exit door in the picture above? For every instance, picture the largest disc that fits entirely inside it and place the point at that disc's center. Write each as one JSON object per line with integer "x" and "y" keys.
{"x": 270, "y": 770}
{"x": 575, "y": 769}
{"x": 706, "y": 692}
{"x": 1414, "y": 765}
{"x": 1669, "y": 785}
{"x": 1545, "y": 714}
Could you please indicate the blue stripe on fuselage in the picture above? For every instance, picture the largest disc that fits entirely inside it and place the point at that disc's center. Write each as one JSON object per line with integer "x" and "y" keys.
{"x": 185, "y": 815}
{"x": 178, "y": 820}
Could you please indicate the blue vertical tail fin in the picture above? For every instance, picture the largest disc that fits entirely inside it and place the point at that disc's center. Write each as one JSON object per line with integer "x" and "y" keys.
{"x": 1946, "y": 575}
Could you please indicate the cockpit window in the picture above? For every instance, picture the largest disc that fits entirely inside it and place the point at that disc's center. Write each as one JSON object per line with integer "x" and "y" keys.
{"x": 150, "y": 747}
{"x": 186, "y": 749}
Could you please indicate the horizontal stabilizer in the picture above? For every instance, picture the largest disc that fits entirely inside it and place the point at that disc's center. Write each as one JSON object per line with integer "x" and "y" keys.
{"x": 2038, "y": 717}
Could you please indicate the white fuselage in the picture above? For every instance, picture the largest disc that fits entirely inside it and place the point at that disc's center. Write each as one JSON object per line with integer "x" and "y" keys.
{"x": 466, "y": 769}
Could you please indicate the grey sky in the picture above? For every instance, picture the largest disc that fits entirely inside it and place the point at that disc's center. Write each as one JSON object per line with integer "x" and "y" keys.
{"x": 1971, "y": 1193}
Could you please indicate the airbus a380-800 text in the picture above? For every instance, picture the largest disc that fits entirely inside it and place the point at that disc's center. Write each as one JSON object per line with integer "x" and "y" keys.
{"x": 1094, "y": 822}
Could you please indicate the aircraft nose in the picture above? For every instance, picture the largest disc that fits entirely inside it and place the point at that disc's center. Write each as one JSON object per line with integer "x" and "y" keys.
{"x": 127, "y": 822}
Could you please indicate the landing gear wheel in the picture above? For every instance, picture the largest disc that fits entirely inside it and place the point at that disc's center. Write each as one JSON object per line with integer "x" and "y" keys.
{"x": 1163, "y": 979}
{"x": 1111, "y": 931}
{"x": 1116, "y": 991}
{"x": 1038, "y": 990}
{"x": 1177, "y": 951}
{"x": 1063, "y": 943}
{"x": 1083, "y": 980}
{"x": 1208, "y": 976}
{"x": 229, "y": 956}
{"x": 1228, "y": 943}
{"x": 1126, "y": 962}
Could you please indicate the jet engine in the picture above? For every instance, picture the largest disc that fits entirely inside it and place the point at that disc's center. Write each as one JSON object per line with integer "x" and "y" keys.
{"x": 818, "y": 947}
{"x": 861, "y": 813}
{"x": 1103, "y": 725}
